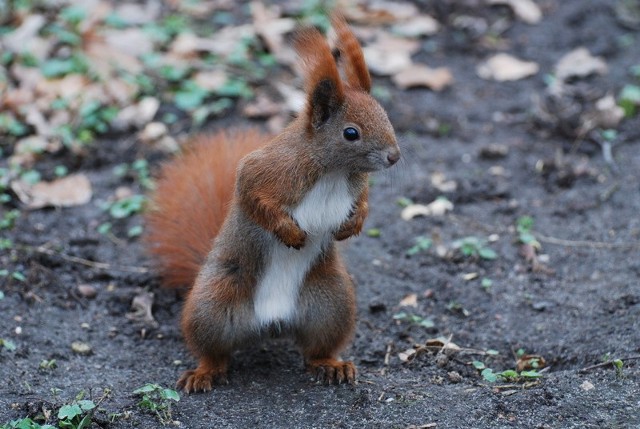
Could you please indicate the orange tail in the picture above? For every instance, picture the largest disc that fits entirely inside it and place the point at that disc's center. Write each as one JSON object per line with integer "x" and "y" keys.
{"x": 191, "y": 201}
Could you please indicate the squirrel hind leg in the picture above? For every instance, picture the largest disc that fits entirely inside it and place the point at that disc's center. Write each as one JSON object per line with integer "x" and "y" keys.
{"x": 210, "y": 371}
{"x": 326, "y": 321}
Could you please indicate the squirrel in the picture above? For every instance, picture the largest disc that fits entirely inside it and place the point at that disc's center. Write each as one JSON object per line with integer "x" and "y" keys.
{"x": 250, "y": 223}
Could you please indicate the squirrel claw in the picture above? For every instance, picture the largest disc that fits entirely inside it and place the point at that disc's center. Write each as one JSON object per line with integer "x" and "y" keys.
{"x": 196, "y": 380}
{"x": 332, "y": 371}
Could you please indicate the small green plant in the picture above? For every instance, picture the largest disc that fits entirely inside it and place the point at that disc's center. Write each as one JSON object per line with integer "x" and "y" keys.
{"x": 25, "y": 423}
{"x": 486, "y": 284}
{"x": 48, "y": 364}
{"x": 422, "y": 243}
{"x": 126, "y": 207}
{"x": 76, "y": 415}
{"x": 475, "y": 247}
{"x": 524, "y": 226}
{"x": 158, "y": 400}
{"x": 629, "y": 100}
{"x": 8, "y": 219}
{"x": 373, "y": 232}
{"x": 7, "y": 345}
{"x": 414, "y": 319}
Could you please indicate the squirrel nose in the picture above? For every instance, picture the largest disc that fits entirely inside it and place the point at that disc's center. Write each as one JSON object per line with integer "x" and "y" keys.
{"x": 393, "y": 157}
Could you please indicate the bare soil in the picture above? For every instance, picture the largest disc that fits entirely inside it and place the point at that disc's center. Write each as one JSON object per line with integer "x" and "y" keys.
{"x": 581, "y": 302}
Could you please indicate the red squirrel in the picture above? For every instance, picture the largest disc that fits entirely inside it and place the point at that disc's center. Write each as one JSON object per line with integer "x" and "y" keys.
{"x": 261, "y": 255}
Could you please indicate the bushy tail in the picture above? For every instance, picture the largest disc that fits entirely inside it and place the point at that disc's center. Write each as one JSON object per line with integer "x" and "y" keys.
{"x": 191, "y": 201}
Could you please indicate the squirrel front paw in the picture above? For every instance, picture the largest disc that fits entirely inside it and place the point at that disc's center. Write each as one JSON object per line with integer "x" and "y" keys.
{"x": 351, "y": 227}
{"x": 291, "y": 235}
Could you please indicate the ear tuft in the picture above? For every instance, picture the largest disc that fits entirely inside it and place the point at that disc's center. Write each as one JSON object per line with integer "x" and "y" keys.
{"x": 325, "y": 92}
{"x": 355, "y": 68}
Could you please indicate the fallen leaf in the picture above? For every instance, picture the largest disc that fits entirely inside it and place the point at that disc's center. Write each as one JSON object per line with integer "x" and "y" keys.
{"x": 504, "y": 67}
{"x": 294, "y": 99}
{"x": 407, "y": 355}
{"x": 271, "y": 28}
{"x": 73, "y": 190}
{"x": 420, "y": 75}
{"x": 436, "y": 208}
{"x": 529, "y": 362}
{"x": 417, "y": 26}
{"x": 136, "y": 115}
{"x": 440, "y": 182}
{"x": 131, "y": 41}
{"x": 579, "y": 63}
{"x": 410, "y": 300}
{"x": 262, "y": 107}
{"x": 210, "y": 80}
{"x": 606, "y": 114}
{"x": 153, "y": 131}
{"x": 138, "y": 14}
{"x": 389, "y": 55}
{"x": 379, "y": 11}
{"x": 22, "y": 38}
{"x": 526, "y": 10}
{"x": 141, "y": 309}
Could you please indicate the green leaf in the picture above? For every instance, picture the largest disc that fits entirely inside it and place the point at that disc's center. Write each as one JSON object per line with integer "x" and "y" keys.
{"x": 69, "y": 412}
{"x": 530, "y": 374}
{"x": 487, "y": 253}
{"x": 73, "y": 14}
{"x": 135, "y": 231}
{"x": 149, "y": 387}
{"x": 104, "y": 228}
{"x": 489, "y": 375}
{"x": 508, "y": 374}
{"x": 8, "y": 344}
{"x": 18, "y": 276}
{"x": 86, "y": 405}
{"x": 170, "y": 394}
{"x": 373, "y": 232}
{"x": 478, "y": 365}
{"x": 492, "y": 352}
{"x": 618, "y": 363}
{"x": 427, "y": 323}
{"x": 404, "y": 202}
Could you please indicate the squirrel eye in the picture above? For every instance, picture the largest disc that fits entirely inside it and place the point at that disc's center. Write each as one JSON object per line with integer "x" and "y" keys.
{"x": 351, "y": 134}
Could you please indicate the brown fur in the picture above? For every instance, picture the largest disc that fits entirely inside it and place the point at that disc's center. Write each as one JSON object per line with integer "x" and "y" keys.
{"x": 191, "y": 201}
{"x": 204, "y": 234}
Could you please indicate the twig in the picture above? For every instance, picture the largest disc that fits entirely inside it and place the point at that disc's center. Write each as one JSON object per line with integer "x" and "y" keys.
{"x": 585, "y": 243}
{"x": 607, "y": 363}
{"x": 87, "y": 262}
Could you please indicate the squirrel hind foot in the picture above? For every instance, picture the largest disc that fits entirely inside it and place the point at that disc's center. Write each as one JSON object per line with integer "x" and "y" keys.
{"x": 203, "y": 378}
{"x": 332, "y": 371}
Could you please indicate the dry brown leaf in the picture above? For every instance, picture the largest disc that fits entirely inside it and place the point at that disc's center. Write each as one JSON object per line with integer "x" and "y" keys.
{"x": 579, "y": 63}
{"x": 294, "y": 99}
{"x": 141, "y": 309}
{"x": 67, "y": 87}
{"x": 529, "y": 362}
{"x": 153, "y": 131}
{"x": 417, "y": 26}
{"x": 131, "y": 41}
{"x": 420, "y": 75}
{"x": 526, "y": 10}
{"x": 606, "y": 114}
{"x": 410, "y": 300}
{"x": 440, "y": 182}
{"x": 390, "y": 55}
{"x": 504, "y": 67}
{"x": 136, "y": 115}
{"x": 377, "y": 11}
{"x": 262, "y": 107}
{"x": 210, "y": 80}
{"x": 138, "y": 13}
{"x": 105, "y": 58}
{"x": 23, "y": 38}
{"x": 269, "y": 26}
{"x": 73, "y": 190}
{"x": 407, "y": 355}
{"x": 436, "y": 208}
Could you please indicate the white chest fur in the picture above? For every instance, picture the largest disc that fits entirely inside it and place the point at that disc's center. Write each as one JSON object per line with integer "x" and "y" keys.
{"x": 321, "y": 212}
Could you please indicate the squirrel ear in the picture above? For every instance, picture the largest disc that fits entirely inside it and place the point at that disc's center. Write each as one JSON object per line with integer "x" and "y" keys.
{"x": 355, "y": 68}
{"x": 325, "y": 92}
{"x": 323, "y": 102}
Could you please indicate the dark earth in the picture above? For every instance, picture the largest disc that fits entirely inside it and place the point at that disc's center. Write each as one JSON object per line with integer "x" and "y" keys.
{"x": 576, "y": 303}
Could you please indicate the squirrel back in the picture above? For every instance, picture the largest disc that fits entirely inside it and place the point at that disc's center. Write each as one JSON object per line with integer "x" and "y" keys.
{"x": 191, "y": 201}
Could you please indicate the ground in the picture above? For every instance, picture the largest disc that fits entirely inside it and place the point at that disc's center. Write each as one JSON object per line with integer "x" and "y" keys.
{"x": 575, "y": 301}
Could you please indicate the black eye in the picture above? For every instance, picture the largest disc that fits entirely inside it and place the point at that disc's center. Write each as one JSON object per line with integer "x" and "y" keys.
{"x": 351, "y": 134}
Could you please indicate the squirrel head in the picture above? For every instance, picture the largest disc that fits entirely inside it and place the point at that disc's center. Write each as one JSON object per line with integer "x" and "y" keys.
{"x": 342, "y": 119}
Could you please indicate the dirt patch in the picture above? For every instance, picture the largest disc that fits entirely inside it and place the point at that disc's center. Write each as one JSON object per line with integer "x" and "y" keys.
{"x": 578, "y": 302}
